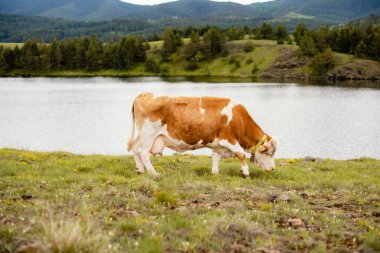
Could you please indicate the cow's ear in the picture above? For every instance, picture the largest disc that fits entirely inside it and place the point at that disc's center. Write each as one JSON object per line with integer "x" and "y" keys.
{"x": 273, "y": 143}
{"x": 263, "y": 148}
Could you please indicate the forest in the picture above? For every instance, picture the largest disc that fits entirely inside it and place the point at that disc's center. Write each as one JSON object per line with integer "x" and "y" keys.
{"x": 89, "y": 53}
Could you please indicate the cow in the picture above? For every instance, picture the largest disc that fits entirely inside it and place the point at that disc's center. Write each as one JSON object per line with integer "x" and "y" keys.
{"x": 188, "y": 123}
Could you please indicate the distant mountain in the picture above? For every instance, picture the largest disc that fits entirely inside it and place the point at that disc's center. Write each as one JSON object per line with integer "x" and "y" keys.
{"x": 86, "y": 10}
{"x": 365, "y": 23}
{"x": 327, "y": 10}
{"x": 15, "y": 28}
{"x": 193, "y": 9}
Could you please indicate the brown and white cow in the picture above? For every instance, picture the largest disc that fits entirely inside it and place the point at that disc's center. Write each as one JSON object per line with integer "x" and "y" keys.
{"x": 188, "y": 123}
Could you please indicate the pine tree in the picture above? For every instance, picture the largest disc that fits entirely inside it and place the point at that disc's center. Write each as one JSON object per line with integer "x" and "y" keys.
{"x": 55, "y": 55}
{"x": 213, "y": 42}
{"x": 172, "y": 41}
{"x": 361, "y": 49}
{"x": 281, "y": 34}
{"x": 300, "y": 32}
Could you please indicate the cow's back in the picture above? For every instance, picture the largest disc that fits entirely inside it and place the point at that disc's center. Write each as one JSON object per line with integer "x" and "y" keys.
{"x": 191, "y": 119}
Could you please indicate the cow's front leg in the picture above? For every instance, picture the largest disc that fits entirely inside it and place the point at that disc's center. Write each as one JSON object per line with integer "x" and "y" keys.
{"x": 136, "y": 144}
{"x": 243, "y": 164}
{"x": 239, "y": 153}
{"x": 215, "y": 162}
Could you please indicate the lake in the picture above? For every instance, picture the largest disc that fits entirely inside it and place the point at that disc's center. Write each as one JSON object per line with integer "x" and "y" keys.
{"x": 93, "y": 115}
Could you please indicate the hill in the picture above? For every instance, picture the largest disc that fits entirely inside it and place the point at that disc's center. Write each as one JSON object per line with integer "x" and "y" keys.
{"x": 88, "y": 10}
{"x": 267, "y": 61}
{"x": 336, "y": 11}
{"x": 14, "y": 28}
{"x": 61, "y": 202}
{"x": 193, "y": 11}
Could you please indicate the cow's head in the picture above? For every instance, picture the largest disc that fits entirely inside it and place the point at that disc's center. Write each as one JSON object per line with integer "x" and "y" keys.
{"x": 264, "y": 155}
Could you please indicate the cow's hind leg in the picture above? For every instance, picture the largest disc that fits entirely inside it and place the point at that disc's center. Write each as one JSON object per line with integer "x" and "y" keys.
{"x": 144, "y": 152}
{"x": 239, "y": 153}
{"x": 135, "y": 150}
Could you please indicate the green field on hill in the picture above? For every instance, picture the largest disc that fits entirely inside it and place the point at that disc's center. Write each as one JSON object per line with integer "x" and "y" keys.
{"x": 266, "y": 60}
{"x": 61, "y": 202}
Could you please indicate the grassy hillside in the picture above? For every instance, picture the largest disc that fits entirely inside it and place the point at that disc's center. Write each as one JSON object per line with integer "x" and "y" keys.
{"x": 61, "y": 202}
{"x": 267, "y": 60}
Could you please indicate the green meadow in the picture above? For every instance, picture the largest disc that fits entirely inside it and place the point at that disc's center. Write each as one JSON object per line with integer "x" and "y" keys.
{"x": 266, "y": 60}
{"x": 62, "y": 202}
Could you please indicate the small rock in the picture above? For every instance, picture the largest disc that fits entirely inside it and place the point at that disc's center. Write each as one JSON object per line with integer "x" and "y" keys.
{"x": 265, "y": 250}
{"x": 109, "y": 182}
{"x": 283, "y": 197}
{"x": 296, "y": 223}
{"x": 312, "y": 159}
{"x": 8, "y": 219}
{"x": 134, "y": 213}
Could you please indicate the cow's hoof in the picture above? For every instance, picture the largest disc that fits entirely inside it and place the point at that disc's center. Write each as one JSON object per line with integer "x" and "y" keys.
{"x": 244, "y": 175}
{"x": 155, "y": 175}
{"x": 139, "y": 172}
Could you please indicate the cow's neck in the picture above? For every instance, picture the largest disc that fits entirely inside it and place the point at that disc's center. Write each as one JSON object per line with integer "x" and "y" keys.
{"x": 254, "y": 133}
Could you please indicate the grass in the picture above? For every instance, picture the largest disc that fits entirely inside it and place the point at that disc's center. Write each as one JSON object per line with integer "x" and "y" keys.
{"x": 11, "y": 45}
{"x": 257, "y": 64}
{"x": 60, "y": 202}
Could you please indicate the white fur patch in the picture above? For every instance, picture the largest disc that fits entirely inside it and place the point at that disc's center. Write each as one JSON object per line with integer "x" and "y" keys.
{"x": 201, "y": 110}
{"x": 234, "y": 148}
{"x": 227, "y": 110}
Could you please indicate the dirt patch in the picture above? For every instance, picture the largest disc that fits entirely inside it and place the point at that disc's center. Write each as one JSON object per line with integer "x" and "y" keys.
{"x": 357, "y": 70}
{"x": 286, "y": 66}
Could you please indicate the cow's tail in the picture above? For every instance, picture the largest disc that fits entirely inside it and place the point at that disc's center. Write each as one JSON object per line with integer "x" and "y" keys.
{"x": 130, "y": 142}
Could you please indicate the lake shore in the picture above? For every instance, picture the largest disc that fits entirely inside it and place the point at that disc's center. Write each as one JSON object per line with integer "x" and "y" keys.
{"x": 266, "y": 61}
{"x": 57, "y": 200}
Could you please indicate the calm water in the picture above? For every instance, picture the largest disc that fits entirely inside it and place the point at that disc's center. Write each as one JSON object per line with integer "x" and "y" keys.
{"x": 92, "y": 115}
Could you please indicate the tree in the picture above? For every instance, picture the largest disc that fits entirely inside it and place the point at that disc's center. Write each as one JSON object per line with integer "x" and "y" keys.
{"x": 213, "y": 42}
{"x": 55, "y": 55}
{"x": 131, "y": 50}
{"x": 307, "y": 46}
{"x": 361, "y": 49}
{"x": 94, "y": 54}
{"x": 374, "y": 46}
{"x": 172, "y": 41}
{"x": 281, "y": 34}
{"x": 151, "y": 65}
{"x": 2, "y": 60}
{"x": 322, "y": 63}
{"x": 265, "y": 31}
{"x": 30, "y": 55}
{"x": 194, "y": 47}
{"x": 321, "y": 39}
{"x": 300, "y": 32}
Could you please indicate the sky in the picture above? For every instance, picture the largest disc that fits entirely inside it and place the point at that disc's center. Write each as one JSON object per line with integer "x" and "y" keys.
{"x": 152, "y": 2}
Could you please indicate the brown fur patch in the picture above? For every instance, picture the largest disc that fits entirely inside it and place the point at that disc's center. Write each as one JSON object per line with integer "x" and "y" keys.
{"x": 185, "y": 120}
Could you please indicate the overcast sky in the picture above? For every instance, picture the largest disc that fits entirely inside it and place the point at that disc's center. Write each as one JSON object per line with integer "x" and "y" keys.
{"x": 151, "y": 2}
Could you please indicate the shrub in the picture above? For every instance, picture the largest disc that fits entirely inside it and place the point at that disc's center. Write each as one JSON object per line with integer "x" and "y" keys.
{"x": 248, "y": 47}
{"x": 191, "y": 65}
{"x": 165, "y": 198}
{"x": 231, "y": 60}
{"x": 151, "y": 65}
{"x": 322, "y": 63}
{"x": 255, "y": 69}
{"x": 307, "y": 46}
